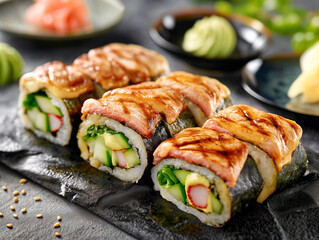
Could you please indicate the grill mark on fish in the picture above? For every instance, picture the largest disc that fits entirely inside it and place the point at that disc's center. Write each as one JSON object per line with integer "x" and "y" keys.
{"x": 61, "y": 80}
{"x": 275, "y": 135}
{"x": 137, "y": 55}
{"x": 209, "y": 91}
{"x": 212, "y": 94}
{"x": 186, "y": 144}
{"x": 219, "y": 152}
{"x": 104, "y": 70}
{"x": 140, "y": 75}
{"x": 140, "y": 107}
{"x": 167, "y": 102}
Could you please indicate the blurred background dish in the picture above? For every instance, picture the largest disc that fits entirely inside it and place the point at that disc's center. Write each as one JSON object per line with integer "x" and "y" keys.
{"x": 268, "y": 80}
{"x": 104, "y": 14}
{"x": 252, "y": 37}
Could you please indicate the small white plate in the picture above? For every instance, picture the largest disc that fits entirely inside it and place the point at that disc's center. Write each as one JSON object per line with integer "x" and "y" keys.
{"x": 104, "y": 15}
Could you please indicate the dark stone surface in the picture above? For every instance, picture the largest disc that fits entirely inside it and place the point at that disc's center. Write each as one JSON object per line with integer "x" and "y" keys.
{"x": 135, "y": 210}
{"x": 77, "y": 222}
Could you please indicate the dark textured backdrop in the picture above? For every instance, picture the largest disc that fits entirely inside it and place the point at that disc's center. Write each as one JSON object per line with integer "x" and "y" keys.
{"x": 288, "y": 215}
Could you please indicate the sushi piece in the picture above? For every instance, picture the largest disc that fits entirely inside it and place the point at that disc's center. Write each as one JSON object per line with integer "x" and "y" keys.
{"x": 273, "y": 142}
{"x": 50, "y": 98}
{"x": 121, "y": 130}
{"x": 52, "y": 95}
{"x": 206, "y": 173}
{"x": 117, "y": 65}
{"x": 204, "y": 96}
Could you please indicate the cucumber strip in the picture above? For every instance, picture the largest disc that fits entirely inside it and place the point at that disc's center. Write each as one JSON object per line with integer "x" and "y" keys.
{"x": 217, "y": 205}
{"x": 102, "y": 153}
{"x": 46, "y": 105}
{"x": 181, "y": 175}
{"x": 39, "y": 119}
{"x": 131, "y": 158}
{"x": 168, "y": 178}
{"x": 116, "y": 141}
{"x": 178, "y": 192}
{"x": 121, "y": 140}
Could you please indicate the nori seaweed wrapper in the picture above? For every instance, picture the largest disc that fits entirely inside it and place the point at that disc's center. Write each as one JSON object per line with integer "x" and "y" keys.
{"x": 74, "y": 105}
{"x": 248, "y": 186}
{"x": 137, "y": 208}
{"x": 165, "y": 131}
{"x": 291, "y": 172}
{"x": 226, "y": 103}
{"x": 185, "y": 120}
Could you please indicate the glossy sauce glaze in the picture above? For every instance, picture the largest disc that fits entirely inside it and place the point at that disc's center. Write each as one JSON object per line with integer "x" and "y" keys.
{"x": 139, "y": 63}
{"x": 109, "y": 74}
{"x": 111, "y": 66}
{"x": 219, "y": 152}
{"x": 139, "y": 116}
{"x": 275, "y": 135}
{"x": 141, "y": 107}
{"x": 168, "y": 102}
{"x": 61, "y": 80}
{"x": 203, "y": 91}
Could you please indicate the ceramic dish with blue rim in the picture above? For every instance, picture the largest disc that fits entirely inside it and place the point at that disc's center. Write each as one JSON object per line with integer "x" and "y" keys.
{"x": 252, "y": 37}
{"x": 268, "y": 80}
{"x": 104, "y": 14}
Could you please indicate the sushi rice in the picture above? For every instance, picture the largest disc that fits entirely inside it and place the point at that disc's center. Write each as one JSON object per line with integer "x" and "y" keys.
{"x": 213, "y": 219}
{"x": 135, "y": 140}
{"x": 267, "y": 170}
{"x": 63, "y": 135}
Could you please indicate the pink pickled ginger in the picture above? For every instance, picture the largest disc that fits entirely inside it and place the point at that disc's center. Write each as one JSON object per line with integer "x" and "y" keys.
{"x": 60, "y": 16}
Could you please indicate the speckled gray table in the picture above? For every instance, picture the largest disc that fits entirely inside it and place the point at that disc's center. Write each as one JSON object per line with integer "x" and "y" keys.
{"x": 78, "y": 222}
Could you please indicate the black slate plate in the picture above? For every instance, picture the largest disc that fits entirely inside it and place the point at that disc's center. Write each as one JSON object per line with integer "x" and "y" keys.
{"x": 252, "y": 37}
{"x": 137, "y": 208}
{"x": 268, "y": 80}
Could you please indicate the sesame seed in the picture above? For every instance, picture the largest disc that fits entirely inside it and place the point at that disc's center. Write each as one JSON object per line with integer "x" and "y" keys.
{"x": 23, "y": 192}
{"x": 24, "y": 210}
{"x": 59, "y": 218}
{"x": 37, "y": 199}
{"x": 12, "y": 208}
{"x": 4, "y": 188}
{"x": 1, "y": 214}
{"x": 15, "y": 215}
{"x": 16, "y": 199}
{"x": 56, "y": 225}
{"x": 57, "y": 234}
{"x": 39, "y": 216}
{"x": 15, "y": 193}
{"x": 23, "y": 181}
{"x": 9, "y": 225}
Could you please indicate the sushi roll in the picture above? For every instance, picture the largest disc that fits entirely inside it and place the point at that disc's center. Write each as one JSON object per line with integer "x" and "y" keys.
{"x": 204, "y": 96}
{"x": 118, "y": 65}
{"x": 207, "y": 174}
{"x": 121, "y": 130}
{"x": 52, "y": 95}
{"x": 50, "y": 98}
{"x": 273, "y": 142}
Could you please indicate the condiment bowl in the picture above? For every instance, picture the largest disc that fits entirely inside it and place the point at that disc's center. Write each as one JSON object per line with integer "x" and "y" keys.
{"x": 252, "y": 37}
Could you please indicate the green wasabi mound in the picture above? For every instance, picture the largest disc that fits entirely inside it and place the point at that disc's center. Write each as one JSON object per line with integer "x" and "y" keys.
{"x": 11, "y": 64}
{"x": 210, "y": 37}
